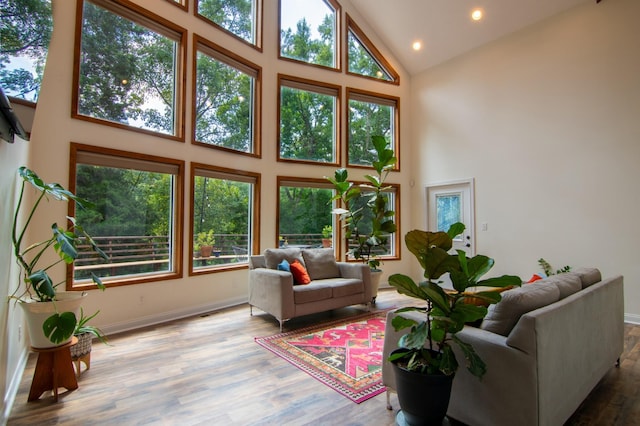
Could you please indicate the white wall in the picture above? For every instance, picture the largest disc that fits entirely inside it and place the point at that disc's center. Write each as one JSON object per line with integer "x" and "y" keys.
{"x": 547, "y": 120}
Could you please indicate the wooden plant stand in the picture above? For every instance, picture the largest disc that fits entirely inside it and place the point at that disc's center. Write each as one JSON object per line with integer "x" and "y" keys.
{"x": 54, "y": 369}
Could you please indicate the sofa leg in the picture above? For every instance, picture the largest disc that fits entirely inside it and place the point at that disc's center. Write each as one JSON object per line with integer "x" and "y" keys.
{"x": 251, "y": 310}
{"x": 389, "y": 407}
{"x": 618, "y": 363}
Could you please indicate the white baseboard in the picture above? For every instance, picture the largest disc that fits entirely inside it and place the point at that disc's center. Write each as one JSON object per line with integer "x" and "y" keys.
{"x": 171, "y": 316}
{"x": 632, "y": 319}
{"x": 14, "y": 384}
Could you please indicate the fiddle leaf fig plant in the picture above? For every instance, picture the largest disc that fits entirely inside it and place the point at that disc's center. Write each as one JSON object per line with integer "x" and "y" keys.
{"x": 427, "y": 346}
{"x": 38, "y": 284}
{"x": 365, "y": 214}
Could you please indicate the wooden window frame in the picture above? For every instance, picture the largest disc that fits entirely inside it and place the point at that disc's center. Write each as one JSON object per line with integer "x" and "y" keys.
{"x": 320, "y": 88}
{"x": 254, "y": 231}
{"x": 376, "y": 55}
{"x": 257, "y": 19}
{"x": 153, "y": 22}
{"x": 148, "y": 161}
{"x": 373, "y": 97}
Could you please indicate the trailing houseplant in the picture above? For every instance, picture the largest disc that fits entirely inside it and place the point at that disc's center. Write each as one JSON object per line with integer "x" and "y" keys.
{"x": 34, "y": 271}
{"x": 366, "y": 202}
{"x": 426, "y": 349}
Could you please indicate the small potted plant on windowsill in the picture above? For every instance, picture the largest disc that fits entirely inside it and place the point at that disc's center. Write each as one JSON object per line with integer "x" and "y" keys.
{"x": 367, "y": 202}
{"x": 327, "y": 233}
{"x": 204, "y": 243}
{"x": 51, "y": 314}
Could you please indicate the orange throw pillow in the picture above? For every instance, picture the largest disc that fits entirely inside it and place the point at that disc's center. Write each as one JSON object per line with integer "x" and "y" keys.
{"x": 300, "y": 275}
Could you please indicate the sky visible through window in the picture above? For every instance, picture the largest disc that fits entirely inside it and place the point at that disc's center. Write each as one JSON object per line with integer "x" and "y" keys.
{"x": 292, "y": 11}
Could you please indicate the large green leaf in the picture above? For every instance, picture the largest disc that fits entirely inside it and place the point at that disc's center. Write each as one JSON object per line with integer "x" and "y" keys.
{"x": 59, "y": 327}
{"x": 448, "y": 362}
{"x": 65, "y": 244}
{"x": 475, "y": 365}
{"x": 501, "y": 281}
{"x": 415, "y": 339}
{"x": 42, "y": 284}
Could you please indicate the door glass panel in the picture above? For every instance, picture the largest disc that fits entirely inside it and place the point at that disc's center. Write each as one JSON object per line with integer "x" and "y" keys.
{"x": 448, "y": 210}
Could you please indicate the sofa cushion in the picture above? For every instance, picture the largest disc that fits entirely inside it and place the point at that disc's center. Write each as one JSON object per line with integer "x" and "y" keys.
{"x": 274, "y": 256}
{"x": 567, "y": 283}
{"x": 589, "y": 276}
{"x": 345, "y": 286}
{"x": 313, "y": 292}
{"x": 300, "y": 275}
{"x": 504, "y": 315}
{"x": 321, "y": 263}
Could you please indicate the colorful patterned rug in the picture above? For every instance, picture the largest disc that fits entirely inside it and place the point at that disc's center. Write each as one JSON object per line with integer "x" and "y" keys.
{"x": 345, "y": 355}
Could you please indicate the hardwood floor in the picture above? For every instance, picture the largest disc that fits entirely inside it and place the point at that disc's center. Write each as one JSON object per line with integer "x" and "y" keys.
{"x": 208, "y": 370}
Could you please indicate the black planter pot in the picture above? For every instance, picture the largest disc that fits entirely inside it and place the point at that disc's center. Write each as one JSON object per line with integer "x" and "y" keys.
{"x": 424, "y": 399}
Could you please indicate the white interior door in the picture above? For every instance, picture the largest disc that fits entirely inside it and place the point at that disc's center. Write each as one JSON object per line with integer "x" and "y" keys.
{"x": 449, "y": 203}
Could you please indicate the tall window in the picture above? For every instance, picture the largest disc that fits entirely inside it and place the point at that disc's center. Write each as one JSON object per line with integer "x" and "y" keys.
{"x": 309, "y": 125}
{"x": 309, "y": 31}
{"x": 241, "y": 18}
{"x": 370, "y": 114}
{"x": 137, "y": 220}
{"x": 130, "y": 68}
{"x": 25, "y": 31}
{"x": 389, "y": 249}
{"x": 364, "y": 59}
{"x": 304, "y": 211}
{"x": 224, "y": 225}
{"x": 226, "y": 100}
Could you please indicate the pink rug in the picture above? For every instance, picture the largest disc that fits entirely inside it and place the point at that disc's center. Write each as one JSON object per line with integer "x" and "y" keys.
{"x": 345, "y": 355}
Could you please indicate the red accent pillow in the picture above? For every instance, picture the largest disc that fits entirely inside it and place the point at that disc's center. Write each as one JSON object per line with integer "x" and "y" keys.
{"x": 534, "y": 278}
{"x": 300, "y": 275}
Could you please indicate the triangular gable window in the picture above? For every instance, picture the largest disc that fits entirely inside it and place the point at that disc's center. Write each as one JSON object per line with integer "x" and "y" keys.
{"x": 364, "y": 59}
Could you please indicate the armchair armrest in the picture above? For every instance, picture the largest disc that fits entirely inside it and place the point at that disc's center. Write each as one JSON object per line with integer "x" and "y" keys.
{"x": 359, "y": 271}
{"x": 272, "y": 291}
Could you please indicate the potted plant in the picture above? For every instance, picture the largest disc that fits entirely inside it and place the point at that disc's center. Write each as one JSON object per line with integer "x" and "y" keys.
{"x": 327, "y": 232}
{"x": 425, "y": 357}
{"x": 204, "y": 243}
{"x": 85, "y": 334}
{"x": 365, "y": 206}
{"x": 51, "y": 314}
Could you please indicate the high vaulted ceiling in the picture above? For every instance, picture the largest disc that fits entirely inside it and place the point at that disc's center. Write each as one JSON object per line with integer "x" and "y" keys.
{"x": 445, "y": 27}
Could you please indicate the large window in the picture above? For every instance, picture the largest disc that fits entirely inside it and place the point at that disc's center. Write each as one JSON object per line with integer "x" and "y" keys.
{"x": 309, "y": 31}
{"x": 129, "y": 69}
{"x": 227, "y": 99}
{"x": 370, "y": 114}
{"x": 137, "y": 219}
{"x": 224, "y": 225}
{"x": 241, "y": 18}
{"x": 25, "y": 31}
{"x": 364, "y": 59}
{"x": 309, "y": 124}
{"x": 304, "y": 212}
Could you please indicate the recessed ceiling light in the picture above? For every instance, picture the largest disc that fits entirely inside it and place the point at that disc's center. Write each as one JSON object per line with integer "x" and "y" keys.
{"x": 476, "y": 14}
{"x": 417, "y": 45}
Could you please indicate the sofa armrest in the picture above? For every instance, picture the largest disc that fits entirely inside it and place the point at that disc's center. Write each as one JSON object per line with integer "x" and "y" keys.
{"x": 359, "y": 271}
{"x": 272, "y": 291}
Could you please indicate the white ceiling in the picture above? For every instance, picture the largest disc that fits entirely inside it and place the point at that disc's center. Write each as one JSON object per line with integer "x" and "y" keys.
{"x": 445, "y": 27}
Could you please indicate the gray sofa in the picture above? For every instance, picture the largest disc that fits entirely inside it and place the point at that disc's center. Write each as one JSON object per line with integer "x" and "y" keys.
{"x": 546, "y": 346}
{"x": 333, "y": 284}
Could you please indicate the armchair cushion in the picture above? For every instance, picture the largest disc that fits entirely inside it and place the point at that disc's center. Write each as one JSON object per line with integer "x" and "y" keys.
{"x": 321, "y": 263}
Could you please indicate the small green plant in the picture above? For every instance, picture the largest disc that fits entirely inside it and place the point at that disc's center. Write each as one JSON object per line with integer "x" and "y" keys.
{"x": 204, "y": 239}
{"x": 82, "y": 327}
{"x": 548, "y": 269}
{"x": 327, "y": 231}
